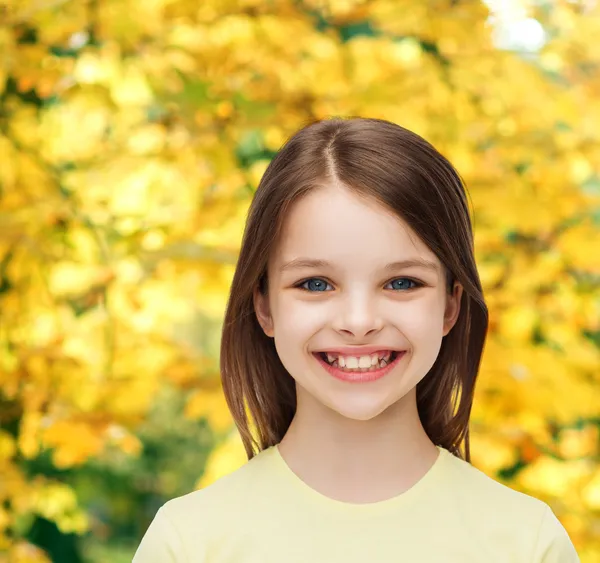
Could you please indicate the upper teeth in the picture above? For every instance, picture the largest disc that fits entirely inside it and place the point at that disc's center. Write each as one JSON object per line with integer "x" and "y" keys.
{"x": 359, "y": 361}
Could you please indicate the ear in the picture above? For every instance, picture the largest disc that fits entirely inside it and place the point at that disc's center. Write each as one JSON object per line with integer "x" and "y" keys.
{"x": 263, "y": 312}
{"x": 452, "y": 307}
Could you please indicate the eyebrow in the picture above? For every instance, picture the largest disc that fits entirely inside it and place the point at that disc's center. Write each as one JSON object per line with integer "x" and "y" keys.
{"x": 299, "y": 263}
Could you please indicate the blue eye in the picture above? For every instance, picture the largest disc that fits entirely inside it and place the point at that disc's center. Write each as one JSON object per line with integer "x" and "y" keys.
{"x": 319, "y": 284}
{"x": 409, "y": 280}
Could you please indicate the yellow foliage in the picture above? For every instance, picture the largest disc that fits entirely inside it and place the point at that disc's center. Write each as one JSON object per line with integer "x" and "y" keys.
{"x": 7, "y": 446}
{"x": 29, "y": 434}
{"x": 576, "y": 443}
{"x": 517, "y": 323}
{"x": 74, "y": 442}
{"x": 591, "y": 492}
{"x": 57, "y": 502}
{"x": 25, "y": 552}
{"x": 225, "y": 458}
{"x": 130, "y": 149}
{"x": 580, "y": 247}
{"x": 548, "y": 478}
{"x": 212, "y": 406}
{"x": 491, "y": 453}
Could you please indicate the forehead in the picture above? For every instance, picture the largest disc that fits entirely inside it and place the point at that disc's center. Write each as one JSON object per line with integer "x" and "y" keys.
{"x": 335, "y": 224}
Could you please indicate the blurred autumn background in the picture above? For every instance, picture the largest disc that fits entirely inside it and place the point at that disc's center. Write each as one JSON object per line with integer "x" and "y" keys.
{"x": 132, "y": 136}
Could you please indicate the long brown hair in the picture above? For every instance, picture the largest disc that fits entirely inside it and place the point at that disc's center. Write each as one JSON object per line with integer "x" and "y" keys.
{"x": 399, "y": 169}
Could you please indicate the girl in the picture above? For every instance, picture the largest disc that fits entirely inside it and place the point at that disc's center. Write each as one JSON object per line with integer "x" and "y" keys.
{"x": 353, "y": 337}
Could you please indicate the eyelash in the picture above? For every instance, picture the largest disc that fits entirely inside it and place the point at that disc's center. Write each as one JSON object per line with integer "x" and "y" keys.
{"x": 417, "y": 285}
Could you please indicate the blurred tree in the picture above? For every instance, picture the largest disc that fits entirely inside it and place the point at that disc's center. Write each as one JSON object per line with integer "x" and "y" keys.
{"x": 132, "y": 136}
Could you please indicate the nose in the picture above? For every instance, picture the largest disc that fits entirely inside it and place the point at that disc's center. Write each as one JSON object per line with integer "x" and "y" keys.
{"x": 358, "y": 316}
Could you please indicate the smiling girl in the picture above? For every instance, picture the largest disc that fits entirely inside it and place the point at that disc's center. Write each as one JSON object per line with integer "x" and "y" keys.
{"x": 353, "y": 337}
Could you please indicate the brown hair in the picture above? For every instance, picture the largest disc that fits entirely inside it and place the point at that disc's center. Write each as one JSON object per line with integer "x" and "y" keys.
{"x": 399, "y": 169}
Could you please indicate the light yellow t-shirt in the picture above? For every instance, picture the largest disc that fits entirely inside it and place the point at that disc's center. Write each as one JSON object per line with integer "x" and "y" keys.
{"x": 264, "y": 513}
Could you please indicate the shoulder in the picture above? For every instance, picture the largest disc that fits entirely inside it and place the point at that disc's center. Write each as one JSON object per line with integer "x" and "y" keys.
{"x": 553, "y": 544}
{"x": 477, "y": 487}
{"x": 510, "y": 514}
{"x": 185, "y": 528}
{"x": 228, "y": 495}
{"x": 161, "y": 542}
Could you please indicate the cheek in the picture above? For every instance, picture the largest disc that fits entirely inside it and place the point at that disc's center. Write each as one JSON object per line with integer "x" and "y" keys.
{"x": 297, "y": 316}
{"x": 295, "y": 323}
{"x": 423, "y": 327}
{"x": 420, "y": 321}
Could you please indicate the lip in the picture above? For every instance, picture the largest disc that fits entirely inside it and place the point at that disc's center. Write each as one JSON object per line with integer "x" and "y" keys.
{"x": 357, "y": 376}
{"x": 359, "y": 350}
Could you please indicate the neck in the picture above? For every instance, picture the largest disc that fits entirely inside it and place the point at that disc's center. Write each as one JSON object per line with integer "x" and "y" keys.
{"x": 354, "y": 460}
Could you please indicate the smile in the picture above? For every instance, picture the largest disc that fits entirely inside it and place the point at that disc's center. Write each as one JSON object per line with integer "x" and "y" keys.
{"x": 381, "y": 366}
{"x": 360, "y": 363}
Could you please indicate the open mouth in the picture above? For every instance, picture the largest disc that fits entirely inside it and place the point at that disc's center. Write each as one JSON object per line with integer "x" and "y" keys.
{"x": 352, "y": 364}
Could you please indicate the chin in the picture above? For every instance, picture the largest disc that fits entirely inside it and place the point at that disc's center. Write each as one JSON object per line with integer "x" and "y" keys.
{"x": 358, "y": 408}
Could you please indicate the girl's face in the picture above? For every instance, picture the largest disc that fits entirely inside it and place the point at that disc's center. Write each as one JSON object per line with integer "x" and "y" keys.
{"x": 354, "y": 300}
